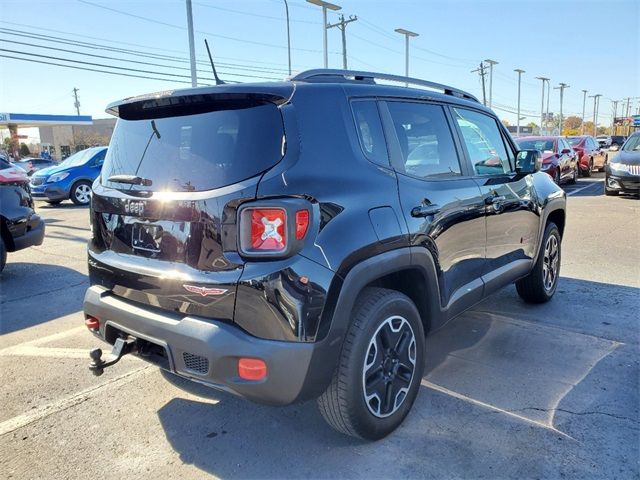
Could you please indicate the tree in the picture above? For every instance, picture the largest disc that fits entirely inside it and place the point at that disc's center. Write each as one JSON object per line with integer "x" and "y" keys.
{"x": 24, "y": 150}
{"x": 82, "y": 140}
{"x": 572, "y": 123}
{"x": 505, "y": 123}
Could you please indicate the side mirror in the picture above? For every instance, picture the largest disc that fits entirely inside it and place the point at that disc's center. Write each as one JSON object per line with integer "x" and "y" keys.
{"x": 528, "y": 161}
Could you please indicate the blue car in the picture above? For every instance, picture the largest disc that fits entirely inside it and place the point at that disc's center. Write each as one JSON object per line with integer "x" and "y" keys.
{"x": 70, "y": 179}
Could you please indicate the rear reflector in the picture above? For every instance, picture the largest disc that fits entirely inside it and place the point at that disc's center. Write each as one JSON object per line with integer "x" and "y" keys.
{"x": 268, "y": 231}
{"x": 302, "y": 223}
{"x": 92, "y": 323}
{"x": 252, "y": 369}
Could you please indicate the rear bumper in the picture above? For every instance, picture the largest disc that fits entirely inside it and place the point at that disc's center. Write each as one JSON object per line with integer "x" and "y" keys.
{"x": 34, "y": 234}
{"x": 207, "y": 351}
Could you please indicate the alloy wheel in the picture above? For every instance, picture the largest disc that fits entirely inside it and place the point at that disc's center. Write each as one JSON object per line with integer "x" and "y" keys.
{"x": 83, "y": 193}
{"x": 550, "y": 263}
{"x": 389, "y": 366}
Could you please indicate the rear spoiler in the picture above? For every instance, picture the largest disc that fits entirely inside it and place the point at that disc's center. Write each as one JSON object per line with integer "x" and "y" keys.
{"x": 193, "y": 101}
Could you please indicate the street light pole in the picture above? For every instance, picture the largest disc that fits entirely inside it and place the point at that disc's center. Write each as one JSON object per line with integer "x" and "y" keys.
{"x": 491, "y": 64}
{"x": 324, "y": 6}
{"x": 584, "y": 101}
{"x": 544, "y": 79}
{"x": 192, "y": 46}
{"x": 286, "y": 8}
{"x": 520, "y": 72}
{"x": 561, "y": 87}
{"x": 614, "y": 104}
{"x": 407, "y": 34}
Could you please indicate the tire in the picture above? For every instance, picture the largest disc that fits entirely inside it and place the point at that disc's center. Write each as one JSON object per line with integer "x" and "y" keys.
{"x": 610, "y": 193}
{"x": 587, "y": 172}
{"x": 538, "y": 287}
{"x": 3, "y": 254}
{"x": 556, "y": 178}
{"x": 349, "y": 405}
{"x": 81, "y": 193}
{"x": 576, "y": 173}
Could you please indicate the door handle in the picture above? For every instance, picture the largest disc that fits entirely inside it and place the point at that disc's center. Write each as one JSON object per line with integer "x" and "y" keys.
{"x": 425, "y": 210}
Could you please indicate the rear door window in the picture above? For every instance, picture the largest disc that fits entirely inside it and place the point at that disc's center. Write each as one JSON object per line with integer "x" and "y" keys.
{"x": 425, "y": 139}
{"x": 196, "y": 152}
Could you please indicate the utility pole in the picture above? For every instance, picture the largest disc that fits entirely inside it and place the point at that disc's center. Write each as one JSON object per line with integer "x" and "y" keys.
{"x": 548, "y": 97}
{"x": 406, "y": 34}
{"x": 77, "y": 102}
{"x": 192, "y": 46}
{"x": 491, "y": 64}
{"x": 325, "y": 25}
{"x": 482, "y": 73}
{"x": 520, "y": 72}
{"x": 614, "y": 104}
{"x": 561, "y": 87}
{"x": 286, "y": 8}
{"x": 342, "y": 25}
{"x": 544, "y": 79}
{"x": 584, "y": 102}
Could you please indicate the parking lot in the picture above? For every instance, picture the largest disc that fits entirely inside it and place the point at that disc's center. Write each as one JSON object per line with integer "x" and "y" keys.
{"x": 510, "y": 390}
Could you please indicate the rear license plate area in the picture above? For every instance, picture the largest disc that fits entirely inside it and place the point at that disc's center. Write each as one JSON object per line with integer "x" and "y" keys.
{"x": 146, "y": 238}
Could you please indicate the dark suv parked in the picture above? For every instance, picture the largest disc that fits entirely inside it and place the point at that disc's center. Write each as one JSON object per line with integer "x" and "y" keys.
{"x": 287, "y": 241}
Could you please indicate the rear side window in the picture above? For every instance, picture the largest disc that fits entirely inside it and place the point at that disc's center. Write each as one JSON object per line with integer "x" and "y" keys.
{"x": 370, "y": 133}
{"x": 484, "y": 142}
{"x": 425, "y": 139}
{"x": 196, "y": 152}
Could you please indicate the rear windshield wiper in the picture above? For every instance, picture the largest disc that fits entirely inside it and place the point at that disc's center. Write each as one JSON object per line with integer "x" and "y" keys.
{"x": 130, "y": 180}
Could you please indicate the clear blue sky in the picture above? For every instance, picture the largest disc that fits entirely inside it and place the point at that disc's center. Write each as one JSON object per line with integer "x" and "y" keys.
{"x": 592, "y": 45}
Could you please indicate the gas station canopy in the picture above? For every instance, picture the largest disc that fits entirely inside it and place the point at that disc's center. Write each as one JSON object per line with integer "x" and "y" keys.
{"x": 34, "y": 120}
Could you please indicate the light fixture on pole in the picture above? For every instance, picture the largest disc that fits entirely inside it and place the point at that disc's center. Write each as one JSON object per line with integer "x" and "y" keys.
{"x": 491, "y": 64}
{"x": 324, "y": 6}
{"x": 520, "y": 72}
{"x": 544, "y": 79}
{"x": 407, "y": 34}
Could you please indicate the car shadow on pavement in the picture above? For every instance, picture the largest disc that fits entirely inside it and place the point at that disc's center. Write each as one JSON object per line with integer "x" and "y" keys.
{"x": 501, "y": 379}
{"x": 67, "y": 205}
{"x": 33, "y": 293}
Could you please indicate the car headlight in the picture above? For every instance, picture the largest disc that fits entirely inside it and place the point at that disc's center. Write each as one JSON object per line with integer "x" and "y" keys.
{"x": 620, "y": 167}
{"x": 56, "y": 177}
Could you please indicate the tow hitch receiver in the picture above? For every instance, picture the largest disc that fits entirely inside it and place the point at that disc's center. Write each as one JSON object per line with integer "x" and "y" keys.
{"x": 120, "y": 348}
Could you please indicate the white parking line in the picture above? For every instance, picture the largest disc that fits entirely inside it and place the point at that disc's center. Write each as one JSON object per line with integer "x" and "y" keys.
{"x": 50, "y": 352}
{"x": 44, "y": 411}
{"x": 573, "y": 192}
{"x": 49, "y": 338}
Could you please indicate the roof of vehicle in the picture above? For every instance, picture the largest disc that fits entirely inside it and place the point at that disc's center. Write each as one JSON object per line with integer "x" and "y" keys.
{"x": 353, "y": 83}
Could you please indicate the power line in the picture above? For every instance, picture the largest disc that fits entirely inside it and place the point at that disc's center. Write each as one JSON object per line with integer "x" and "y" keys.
{"x": 250, "y": 14}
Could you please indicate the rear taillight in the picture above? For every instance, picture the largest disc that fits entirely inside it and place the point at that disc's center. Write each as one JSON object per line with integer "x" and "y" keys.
{"x": 273, "y": 230}
{"x": 268, "y": 229}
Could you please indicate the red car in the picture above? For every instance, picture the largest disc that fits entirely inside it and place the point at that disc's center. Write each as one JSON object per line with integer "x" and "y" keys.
{"x": 559, "y": 160}
{"x": 591, "y": 155}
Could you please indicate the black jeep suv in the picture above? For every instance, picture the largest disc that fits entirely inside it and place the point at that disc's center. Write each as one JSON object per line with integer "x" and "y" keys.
{"x": 297, "y": 240}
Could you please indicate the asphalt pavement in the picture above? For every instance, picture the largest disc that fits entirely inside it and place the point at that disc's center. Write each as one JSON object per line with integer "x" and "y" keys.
{"x": 510, "y": 390}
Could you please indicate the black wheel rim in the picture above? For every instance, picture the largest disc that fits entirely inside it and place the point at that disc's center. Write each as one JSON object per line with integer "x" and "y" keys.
{"x": 389, "y": 366}
{"x": 550, "y": 263}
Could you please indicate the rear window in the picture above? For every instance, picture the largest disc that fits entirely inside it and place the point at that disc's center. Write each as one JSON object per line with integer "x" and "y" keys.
{"x": 573, "y": 141}
{"x": 196, "y": 152}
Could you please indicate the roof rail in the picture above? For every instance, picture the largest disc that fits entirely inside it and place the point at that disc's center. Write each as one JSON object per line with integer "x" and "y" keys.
{"x": 332, "y": 75}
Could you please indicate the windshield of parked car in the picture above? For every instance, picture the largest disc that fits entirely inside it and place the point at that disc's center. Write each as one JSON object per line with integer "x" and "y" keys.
{"x": 573, "y": 141}
{"x": 632, "y": 144}
{"x": 79, "y": 158}
{"x": 544, "y": 145}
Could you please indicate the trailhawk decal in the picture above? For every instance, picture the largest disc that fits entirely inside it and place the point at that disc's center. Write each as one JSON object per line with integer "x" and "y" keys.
{"x": 204, "y": 291}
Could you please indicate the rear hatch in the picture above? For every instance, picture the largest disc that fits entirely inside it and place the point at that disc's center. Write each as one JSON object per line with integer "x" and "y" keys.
{"x": 164, "y": 209}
